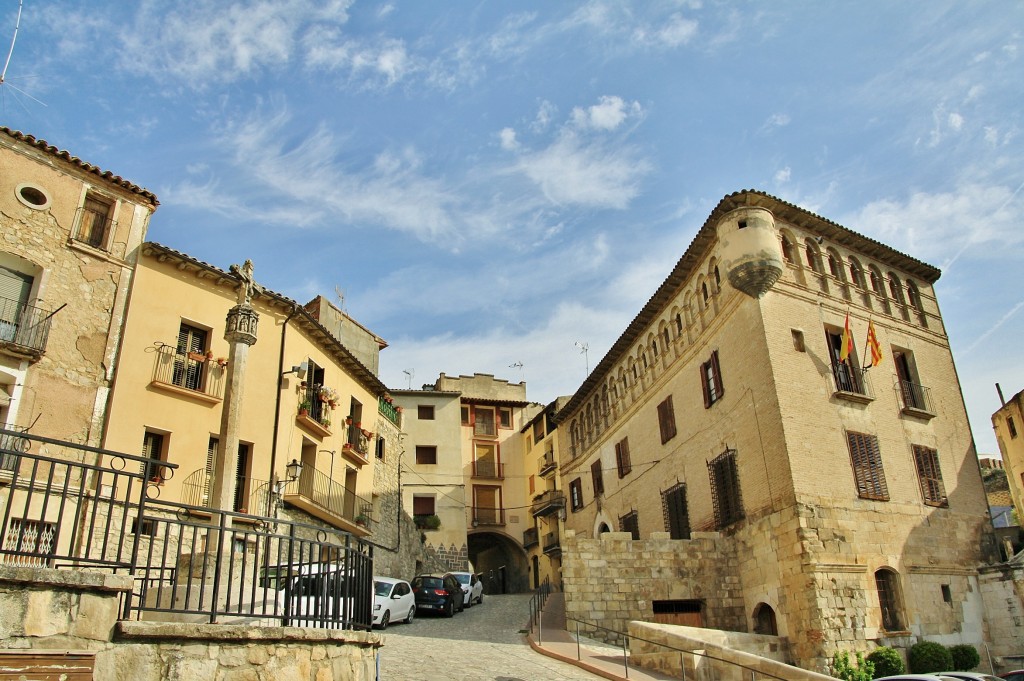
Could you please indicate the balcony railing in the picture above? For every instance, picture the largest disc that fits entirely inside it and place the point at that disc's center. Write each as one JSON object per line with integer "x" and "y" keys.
{"x": 389, "y": 411}
{"x": 250, "y": 493}
{"x": 484, "y": 428}
{"x": 484, "y": 468}
{"x": 916, "y": 398}
{"x": 548, "y": 502}
{"x": 851, "y": 382}
{"x": 189, "y": 371}
{"x": 327, "y": 494}
{"x": 488, "y": 516}
{"x": 316, "y": 403}
{"x": 10, "y": 443}
{"x": 94, "y": 226}
{"x": 530, "y": 537}
{"x": 551, "y": 543}
{"x": 546, "y": 463}
{"x": 358, "y": 440}
{"x": 23, "y": 326}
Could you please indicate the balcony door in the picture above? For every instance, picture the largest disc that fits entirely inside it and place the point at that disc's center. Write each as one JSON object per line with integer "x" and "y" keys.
{"x": 845, "y": 372}
{"x": 15, "y": 288}
{"x": 487, "y": 501}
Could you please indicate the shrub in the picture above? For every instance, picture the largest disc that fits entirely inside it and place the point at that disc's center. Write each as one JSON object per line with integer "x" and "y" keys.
{"x": 965, "y": 657}
{"x": 842, "y": 669}
{"x": 887, "y": 661}
{"x": 929, "y": 656}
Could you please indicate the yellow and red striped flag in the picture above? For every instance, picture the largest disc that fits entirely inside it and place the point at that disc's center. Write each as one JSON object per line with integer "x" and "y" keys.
{"x": 873, "y": 346}
{"x": 847, "y": 349}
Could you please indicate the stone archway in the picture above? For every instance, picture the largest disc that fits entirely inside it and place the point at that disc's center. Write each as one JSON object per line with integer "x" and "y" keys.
{"x": 500, "y": 561}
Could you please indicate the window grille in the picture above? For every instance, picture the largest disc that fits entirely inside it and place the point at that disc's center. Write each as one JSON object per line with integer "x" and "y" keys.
{"x": 677, "y": 516}
{"x": 867, "y": 466}
{"x": 31, "y": 537}
{"x": 630, "y": 523}
{"x": 886, "y": 581}
{"x": 930, "y": 475}
{"x": 725, "y": 488}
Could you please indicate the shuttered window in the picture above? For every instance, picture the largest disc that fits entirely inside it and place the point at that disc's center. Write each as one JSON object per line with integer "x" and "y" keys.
{"x": 576, "y": 494}
{"x": 667, "y": 420}
{"x": 630, "y": 523}
{"x": 189, "y": 370}
{"x": 867, "y": 466}
{"x": 711, "y": 380}
{"x": 423, "y": 505}
{"x": 677, "y": 515}
{"x": 622, "y": 457}
{"x": 153, "y": 448}
{"x": 597, "y": 476}
{"x": 927, "y": 461}
{"x": 725, "y": 488}
{"x": 426, "y": 454}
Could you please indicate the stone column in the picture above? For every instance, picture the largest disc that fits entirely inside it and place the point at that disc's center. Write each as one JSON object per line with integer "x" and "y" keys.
{"x": 240, "y": 333}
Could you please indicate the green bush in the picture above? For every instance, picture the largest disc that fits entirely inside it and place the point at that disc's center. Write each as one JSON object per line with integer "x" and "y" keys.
{"x": 887, "y": 661}
{"x": 842, "y": 669}
{"x": 929, "y": 656}
{"x": 965, "y": 657}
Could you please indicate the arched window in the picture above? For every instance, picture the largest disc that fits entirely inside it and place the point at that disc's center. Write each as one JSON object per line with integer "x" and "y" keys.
{"x": 835, "y": 265}
{"x": 887, "y": 582}
{"x": 718, "y": 280}
{"x": 704, "y": 291}
{"x": 787, "y": 250}
{"x": 679, "y": 323}
{"x": 764, "y": 620}
{"x": 813, "y": 256}
{"x": 913, "y": 296}
{"x": 895, "y": 288}
{"x": 876, "y": 280}
{"x": 857, "y": 274}
{"x": 574, "y": 437}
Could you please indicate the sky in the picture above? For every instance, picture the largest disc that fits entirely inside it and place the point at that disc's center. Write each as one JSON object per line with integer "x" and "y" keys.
{"x": 493, "y": 186}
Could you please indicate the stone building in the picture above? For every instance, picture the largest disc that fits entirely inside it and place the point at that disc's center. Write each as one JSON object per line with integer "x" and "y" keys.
{"x": 732, "y": 413}
{"x": 71, "y": 236}
{"x": 542, "y": 539}
{"x": 303, "y": 398}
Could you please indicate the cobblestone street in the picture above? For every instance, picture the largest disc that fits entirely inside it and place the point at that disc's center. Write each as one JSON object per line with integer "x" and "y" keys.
{"x": 483, "y": 643}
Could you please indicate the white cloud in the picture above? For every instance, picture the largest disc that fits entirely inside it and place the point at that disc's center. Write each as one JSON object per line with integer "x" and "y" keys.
{"x": 675, "y": 31}
{"x": 545, "y": 114}
{"x": 782, "y": 175}
{"x": 609, "y": 113}
{"x": 778, "y": 120}
{"x": 508, "y": 139}
{"x": 956, "y": 121}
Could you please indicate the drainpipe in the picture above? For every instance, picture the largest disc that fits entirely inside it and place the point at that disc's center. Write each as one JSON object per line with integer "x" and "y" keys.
{"x": 277, "y": 412}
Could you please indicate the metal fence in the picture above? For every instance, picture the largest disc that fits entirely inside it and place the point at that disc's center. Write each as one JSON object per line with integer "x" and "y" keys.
{"x": 65, "y": 505}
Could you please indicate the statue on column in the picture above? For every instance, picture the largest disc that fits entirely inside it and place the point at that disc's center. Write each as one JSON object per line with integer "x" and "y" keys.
{"x": 248, "y": 287}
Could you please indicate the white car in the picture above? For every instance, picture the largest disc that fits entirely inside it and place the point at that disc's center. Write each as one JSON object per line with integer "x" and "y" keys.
{"x": 393, "y": 600}
{"x": 472, "y": 587}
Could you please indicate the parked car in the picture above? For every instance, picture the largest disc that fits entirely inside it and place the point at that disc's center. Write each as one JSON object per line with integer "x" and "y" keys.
{"x": 393, "y": 600}
{"x": 472, "y": 587}
{"x": 318, "y": 596}
{"x": 969, "y": 676}
{"x": 1015, "y": 675}
{"x": 438, "y": 593}
{"x": 917, "y": 677}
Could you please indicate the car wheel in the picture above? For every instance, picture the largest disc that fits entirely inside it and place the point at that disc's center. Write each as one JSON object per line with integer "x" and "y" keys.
{"x": 450, "y": 610}
{"x": 480, "y": 600}
{"x": 385, "y": 619}
{"x": 411, "y": 615}
{"x": 462, "y": 605}
{"x": 469, "y": 603}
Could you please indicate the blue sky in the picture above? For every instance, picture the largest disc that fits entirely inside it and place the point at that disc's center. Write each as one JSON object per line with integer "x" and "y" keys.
{"x": 489, "y": 183}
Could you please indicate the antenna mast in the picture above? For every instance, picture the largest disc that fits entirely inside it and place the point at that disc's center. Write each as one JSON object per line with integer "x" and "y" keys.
{"x": 17, "y": 24}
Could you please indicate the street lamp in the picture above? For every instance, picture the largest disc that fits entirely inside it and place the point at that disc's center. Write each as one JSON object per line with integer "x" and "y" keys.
{"x": 293, "y": 470}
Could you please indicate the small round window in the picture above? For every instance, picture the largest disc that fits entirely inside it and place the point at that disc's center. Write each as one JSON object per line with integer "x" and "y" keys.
{"x": 33, "y": 197}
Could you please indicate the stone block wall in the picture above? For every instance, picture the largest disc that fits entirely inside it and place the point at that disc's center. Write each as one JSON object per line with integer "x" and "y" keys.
{"x": 1001, "y": 588}
{"x": 613, "y": 580}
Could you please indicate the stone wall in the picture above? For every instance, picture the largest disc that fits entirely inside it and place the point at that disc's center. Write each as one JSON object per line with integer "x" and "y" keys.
{"x": 66, "y": 610}
{"x": 1001, "y": 589}
{"x": 613, "y": 580}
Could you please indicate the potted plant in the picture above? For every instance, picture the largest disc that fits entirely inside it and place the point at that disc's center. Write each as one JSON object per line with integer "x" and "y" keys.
{"x": 432, "y": 522}
{"x": 209, "y": 354}
{"x": 304, "y": 406}
{"x": 362, "y": 520}
{"x": 222, "y": 362}
{"x": 325, "y": 420}
{"x": 348, "y": 420}
{"x": 196, "y": 356}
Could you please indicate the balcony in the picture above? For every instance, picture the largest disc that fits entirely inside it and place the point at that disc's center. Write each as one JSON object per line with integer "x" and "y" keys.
{"x": 188, "y": 373}
{"x": 546, "y": 463}
{"x": 23, "y": 329}
{"x": 317, "y": 494}
{"x": 916, "y": 399}
{"x": 484, "y": 428}
{"x": 484, "y": 516}
{"x": 10, "y": 447}
{"x": 850, "y": 383}
{"x": 552, "y": 546}
{"x": 95, "y": 223}
{"x": 491, "y": 470}
{"x": 357, "y": 445}
{"x": 389, "y": 410}
{"x": 530, "y": 538}
{"x": 250, "y": 493}
{"x": 316, "y": 402}
{"x": 548, "y": 502}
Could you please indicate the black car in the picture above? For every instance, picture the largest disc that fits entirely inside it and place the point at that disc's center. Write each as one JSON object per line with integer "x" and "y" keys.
{"x": 439, "y": 593}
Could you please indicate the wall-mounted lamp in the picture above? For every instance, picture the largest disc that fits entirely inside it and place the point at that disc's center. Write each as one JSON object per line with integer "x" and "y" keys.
{"x": 299, "y": 370}
{"x": 293, "y": 470}
{"x": 476, "y": 523}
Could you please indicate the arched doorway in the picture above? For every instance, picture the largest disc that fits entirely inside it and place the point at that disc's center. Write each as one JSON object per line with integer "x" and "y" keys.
{"x": 500, "y": 561}
{"x": 764, "y": 620}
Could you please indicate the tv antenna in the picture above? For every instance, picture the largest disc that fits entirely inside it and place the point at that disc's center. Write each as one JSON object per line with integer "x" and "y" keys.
{"x": 584, "y": 350}
{"x": 340, "y": 292}
{"x": 7, "y": 61}
{"x": 517, "y": 365}
{"x": 409, "y": 373}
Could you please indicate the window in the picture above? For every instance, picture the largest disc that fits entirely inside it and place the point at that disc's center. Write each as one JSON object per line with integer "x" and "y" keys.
{"x": 867, "y": 466}
{"x": 426, "y": 454}
{"x": 576, "y": 494}
{"x": 243, "y": 465}
{"x": 504, "y": 417}
{"x": 834, "y": 264}
{"x": 32, "y": 196}
{"x": 146, "y": 527}
{"x": 787, "y": 249}
{"x": 465, "y": 415}
{"x": 424, "y": 504}
{"x": 538, "y": 430}
{"x": 665, "y": 337}
{"x": 911, "y": 390}
{"x": 15, "y": 289}
{"x": 487, "y": 460}
{"x": 533, "y": 484}
{"x": 380, "y": 448}
{"x": 1011, "y": 426}
{"x": 846, "y": 373}
{"x": 597, "y": 477}
{"x": 857, "y": 273}
{"x": 667, "y": 420}
{"x": 622, "y": 457}
{"x": 930, "y": 475}
{"x": 679, "y": 323}
{"x": 677, "y": 515}
{"x": 798, "y": 340}
{"x": 483, "y": 421}
{"x": 190, "y": 360}
{"x": 425, "y": 412}
{"x": 813, "y": 259}
{"x": 718, "y": 280}
{"x": 725, "y": 489}
{"x": 153, "y": 448}
{"x": 876, "y": 281}
{"x": 29, "y": 537}
{"x": 95, "y": 220}
{"x": 887, "y": 584}
{"x": 711, "y": 380}
{"x": 630, "y": 523}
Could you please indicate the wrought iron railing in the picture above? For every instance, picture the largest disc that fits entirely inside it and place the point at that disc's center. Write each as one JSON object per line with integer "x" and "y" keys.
{"x": 12, "y": 443}
{"x": 850, "y": 380}
{"x": 485, "y": 468}
{"x": 94, "y": 226}
{"x": 24, "y": 325}
{"x": 548, "y": 502}
{"x": 188, "y": 370}
{"x": 389, "y": 411}
{"x": 317, "y": 408}
{"x": 83, "y": 507}
{"x": 546, "y": 463}
{"x": 915, "y": 397}
{"x": 250, "y": 493}
{"x": 483, "y": 515}
{"x": 357, "y": 439}
{"x": 481, "y": 427}
{"x": 530, "y": 537}
{"x": 328, "y": 494}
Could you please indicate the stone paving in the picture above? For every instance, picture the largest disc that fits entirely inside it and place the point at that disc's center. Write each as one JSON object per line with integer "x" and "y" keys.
{"x": 482, "y": 643}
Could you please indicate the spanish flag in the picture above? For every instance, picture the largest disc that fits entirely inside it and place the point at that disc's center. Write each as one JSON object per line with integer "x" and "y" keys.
{"x": 847, "y": 348}
{"x": 873, "y": 347}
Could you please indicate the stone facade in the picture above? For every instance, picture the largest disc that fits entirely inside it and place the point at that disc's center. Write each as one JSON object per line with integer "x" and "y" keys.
{"x": 1008, "y": 424}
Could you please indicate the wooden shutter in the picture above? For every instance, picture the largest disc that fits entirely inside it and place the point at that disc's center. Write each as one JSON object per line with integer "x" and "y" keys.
{"x": 867, "y": 466}
{"x": 597, "y": 477}
{"x": 716, "y": 369}
{"x": 930, "y": 475}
